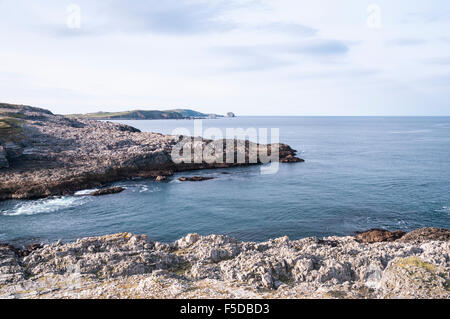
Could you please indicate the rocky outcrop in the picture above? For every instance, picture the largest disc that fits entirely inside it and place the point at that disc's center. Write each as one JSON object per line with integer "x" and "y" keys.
{"x": 46, "y": 154}
{"x": 195, "y": 178}
{"x": 107, "y": 191}
{"x": 132, "y": 266}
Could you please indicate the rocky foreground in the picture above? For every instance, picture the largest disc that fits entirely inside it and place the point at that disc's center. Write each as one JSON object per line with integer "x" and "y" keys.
{"x": 413, "y": 265}
{"x": 42, "y": 154}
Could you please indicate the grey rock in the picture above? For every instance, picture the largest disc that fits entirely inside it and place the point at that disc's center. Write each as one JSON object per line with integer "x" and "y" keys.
{"x": 131, "y": 266}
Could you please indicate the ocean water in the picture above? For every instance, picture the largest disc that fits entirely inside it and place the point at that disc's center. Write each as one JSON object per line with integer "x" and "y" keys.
{"x": 360, "y": 173}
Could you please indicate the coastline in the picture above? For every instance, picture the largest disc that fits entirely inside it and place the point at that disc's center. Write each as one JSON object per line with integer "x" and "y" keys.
{"x": 42, "y": 154}
{"x": 414, "y": 265}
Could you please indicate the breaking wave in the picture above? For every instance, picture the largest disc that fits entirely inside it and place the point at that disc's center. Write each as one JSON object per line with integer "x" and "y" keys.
{"x": 46, "y": 205}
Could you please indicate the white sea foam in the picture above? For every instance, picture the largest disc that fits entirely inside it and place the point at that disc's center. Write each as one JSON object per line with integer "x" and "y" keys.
{"x": 143, "y": 189}
{"x": 444, "y": 209}
{"x": 85, "y": 192}
{"x": 47, "y": 205}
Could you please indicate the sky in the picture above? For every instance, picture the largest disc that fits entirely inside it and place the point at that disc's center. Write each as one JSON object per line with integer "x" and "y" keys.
{"x": 251, "y": 57}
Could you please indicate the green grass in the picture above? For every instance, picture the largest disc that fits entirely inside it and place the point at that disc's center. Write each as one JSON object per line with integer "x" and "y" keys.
{"x": 141, "y": 114}
{"x": 10, "y": 128}
{"x": 416, "y": 262}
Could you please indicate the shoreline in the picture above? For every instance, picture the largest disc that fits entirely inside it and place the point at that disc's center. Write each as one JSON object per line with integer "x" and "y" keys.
{"x": 42, "y": 154}
{"x": 414, "y": 265}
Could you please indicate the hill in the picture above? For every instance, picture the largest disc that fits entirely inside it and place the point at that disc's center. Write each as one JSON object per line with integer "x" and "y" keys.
{"x": 146, "y": 115}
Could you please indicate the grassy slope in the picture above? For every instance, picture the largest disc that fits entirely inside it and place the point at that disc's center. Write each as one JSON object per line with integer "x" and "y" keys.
{"x": 141, "y": 114}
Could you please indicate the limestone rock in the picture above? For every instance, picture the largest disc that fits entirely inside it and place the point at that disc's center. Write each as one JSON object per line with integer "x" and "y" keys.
{"x": 216, "y": 266}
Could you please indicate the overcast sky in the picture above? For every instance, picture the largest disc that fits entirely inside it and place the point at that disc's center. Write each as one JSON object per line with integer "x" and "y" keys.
{"x": 252, "y": 57}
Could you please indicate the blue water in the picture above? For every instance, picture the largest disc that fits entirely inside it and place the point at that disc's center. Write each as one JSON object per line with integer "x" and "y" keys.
{"x": 360, "y": 173}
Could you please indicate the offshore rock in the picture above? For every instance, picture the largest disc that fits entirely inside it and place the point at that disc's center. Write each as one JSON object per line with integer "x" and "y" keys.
{"x": 195, "y": 179}
{"x": 107, "y": 191}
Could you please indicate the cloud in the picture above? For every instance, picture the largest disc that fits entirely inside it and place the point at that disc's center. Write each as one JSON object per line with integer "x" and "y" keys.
{"x": 266, "y": 57}
{"x": 291, "y": 28}
{"x": 174, "y": 17}
{"x": 438, "y": 61}
{"x": 406, "y": 42}
{"x": 428, "y": 16}
{"x": 322, "y": 47}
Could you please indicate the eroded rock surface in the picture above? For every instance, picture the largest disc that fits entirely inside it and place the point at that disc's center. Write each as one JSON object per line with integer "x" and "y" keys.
{"x": 42, "y": 154}
{"x": 131, "y": 266}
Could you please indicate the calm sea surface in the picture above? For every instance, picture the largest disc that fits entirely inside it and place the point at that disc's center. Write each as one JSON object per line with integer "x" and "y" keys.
{"x": 360, "y": 173}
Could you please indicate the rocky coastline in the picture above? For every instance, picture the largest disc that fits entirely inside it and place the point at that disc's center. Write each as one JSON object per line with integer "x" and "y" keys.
{"x": 43, "y": 154}
{"x": 413, "y": 265}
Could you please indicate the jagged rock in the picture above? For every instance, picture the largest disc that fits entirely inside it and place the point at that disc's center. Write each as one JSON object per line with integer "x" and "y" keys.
{"x": 107, "y": 191}
{"x": 378, "y": 235}
{"x": 412, "y": 277}
{"x": 161, "y": 178}
{"x": 187, "y": 241}
{"x": 195, "y": 178}
{"x": 216, "y": 266}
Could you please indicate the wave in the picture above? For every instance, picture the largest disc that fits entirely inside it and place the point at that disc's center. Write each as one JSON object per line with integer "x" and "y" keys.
{"x": 444, "y": 209}
{"x": 46, "y": 205}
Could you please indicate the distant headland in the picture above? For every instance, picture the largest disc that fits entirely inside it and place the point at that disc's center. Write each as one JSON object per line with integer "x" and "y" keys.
{"x": 177, "y": 114}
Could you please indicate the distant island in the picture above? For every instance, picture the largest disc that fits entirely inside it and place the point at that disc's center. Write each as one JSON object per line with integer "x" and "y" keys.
{"x": 177, "y": 114}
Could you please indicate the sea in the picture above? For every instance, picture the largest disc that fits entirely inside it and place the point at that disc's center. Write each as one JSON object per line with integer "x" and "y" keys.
{"x": 359, "y": 173}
